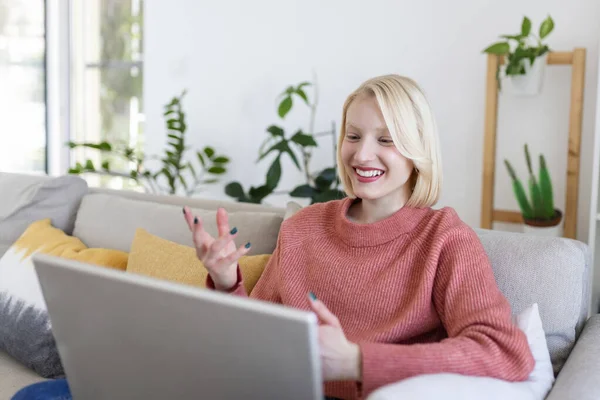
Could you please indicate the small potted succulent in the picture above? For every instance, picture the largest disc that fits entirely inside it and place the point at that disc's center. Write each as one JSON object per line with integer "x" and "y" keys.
{"x": 539, "y": 214}
{"x": 525, "y": 58}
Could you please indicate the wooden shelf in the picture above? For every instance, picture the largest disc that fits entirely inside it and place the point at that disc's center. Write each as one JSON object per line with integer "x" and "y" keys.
{"x": 576, "y": 59}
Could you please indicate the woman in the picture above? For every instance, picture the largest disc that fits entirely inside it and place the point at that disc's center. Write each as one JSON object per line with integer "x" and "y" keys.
{"x": 403, "y": 289}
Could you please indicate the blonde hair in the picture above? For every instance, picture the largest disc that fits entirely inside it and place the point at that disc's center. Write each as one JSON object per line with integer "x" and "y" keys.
{"x": 412, "y": 127}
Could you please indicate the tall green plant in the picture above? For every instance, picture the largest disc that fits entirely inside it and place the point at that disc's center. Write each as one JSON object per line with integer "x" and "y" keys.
{"x": 540, "y": 204}
{"x": 175, "y": 170}
{"x": 319, "y": 187}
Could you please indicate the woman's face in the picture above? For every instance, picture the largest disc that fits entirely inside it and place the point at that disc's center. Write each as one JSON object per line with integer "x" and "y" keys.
{"x": 376, "y": 168}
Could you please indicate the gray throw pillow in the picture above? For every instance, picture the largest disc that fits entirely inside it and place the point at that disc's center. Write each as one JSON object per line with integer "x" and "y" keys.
{"x": 29, "y": 198}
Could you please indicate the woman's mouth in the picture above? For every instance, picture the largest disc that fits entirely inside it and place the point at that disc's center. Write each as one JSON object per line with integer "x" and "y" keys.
{"x": 368, "y": 175}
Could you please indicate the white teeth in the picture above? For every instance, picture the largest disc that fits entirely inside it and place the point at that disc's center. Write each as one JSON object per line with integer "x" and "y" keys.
{"x": 368, "y": 174}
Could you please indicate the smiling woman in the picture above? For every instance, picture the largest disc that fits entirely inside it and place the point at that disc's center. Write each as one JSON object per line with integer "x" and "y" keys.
{"x": 400, "y": 289}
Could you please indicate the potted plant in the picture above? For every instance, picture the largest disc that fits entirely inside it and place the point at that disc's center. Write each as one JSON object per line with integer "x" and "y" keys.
{"x": 539, "y": 214}
{"x": 175, "y": 175}
{"x": 525, "y": 57}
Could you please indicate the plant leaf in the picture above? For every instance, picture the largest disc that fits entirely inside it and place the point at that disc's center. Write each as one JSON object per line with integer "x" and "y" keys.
{"x": 221, "y": 160}
{"x": 499, "y": 48}
{"x": 303, "y": 191}
{"x": 303, "y": 139}
{"x": 234, "y": 189}
{"x": 275, "y": 130}
{"x": 300, "y": 86}
{"x": 216, "y": 170}
{"x": 285, "y": 106}
{"x": 183, "y": 182}
{"x": 106, "y": 165}
{"x": 191, "y": 167}
{"x": 201, "y": 159}
{"x": 325, "y": 179}
{"x": 89, "y": 165}
{"x": 283, "y": 147}
{"x": 259, "y": 193}
{"x": 210, "y": 181}
{"x": 209, "y": 151}
{"x": 302, "y": 94}
{"x": 526, "y": 27}
{"x": 513, "y": 37}
{"x": 546, "y": 27}
{"x": 327, "y": 195}
{"x": 274, "y": 173}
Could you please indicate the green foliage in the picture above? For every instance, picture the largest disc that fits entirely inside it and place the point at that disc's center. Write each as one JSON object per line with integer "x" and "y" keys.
{"x": 540, "y": 204}
{"x": 319, "y": 187}
{"x": 175, "y": 169}
{"x": 525, "y": 46}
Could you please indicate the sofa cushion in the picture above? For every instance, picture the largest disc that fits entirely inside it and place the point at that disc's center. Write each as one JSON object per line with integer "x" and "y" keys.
{"x": 449, "y": 386}
{"x": 111, "y": 221}
{"x": 29, "y": 198}
{"x": 25, "y": 328}
{"x": 159, "y": 258}
{"x": 553, "y": 272}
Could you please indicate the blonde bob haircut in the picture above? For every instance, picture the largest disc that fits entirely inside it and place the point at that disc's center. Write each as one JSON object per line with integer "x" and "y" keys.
{"x": 411, "y": 125}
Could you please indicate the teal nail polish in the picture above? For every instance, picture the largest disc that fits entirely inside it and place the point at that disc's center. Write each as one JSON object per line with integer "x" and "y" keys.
{"x": 233, "y": 231}
{"x": 195, "y": 220}
{"x": 183, "y": 209}
{"x": 312, "y": 296}
{"x": 248, "y": 245}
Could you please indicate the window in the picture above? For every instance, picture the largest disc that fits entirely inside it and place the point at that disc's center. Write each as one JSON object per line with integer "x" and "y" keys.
{"x": 107, "y": 75}
{"x": 23, "y": 134}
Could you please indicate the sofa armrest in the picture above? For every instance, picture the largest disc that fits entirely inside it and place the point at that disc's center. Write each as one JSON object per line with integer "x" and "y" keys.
{"x": 579, "y": 377}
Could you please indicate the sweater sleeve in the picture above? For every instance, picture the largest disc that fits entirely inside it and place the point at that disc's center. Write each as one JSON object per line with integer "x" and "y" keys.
{"x": 482, "y": 339}
{"x": 267, "y": 287}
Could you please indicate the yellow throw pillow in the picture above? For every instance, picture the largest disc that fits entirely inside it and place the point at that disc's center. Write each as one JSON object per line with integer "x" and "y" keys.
{"x": 26, "y": 331}
{"x": 159, "y": 258}
{"x": 42, "y": 237}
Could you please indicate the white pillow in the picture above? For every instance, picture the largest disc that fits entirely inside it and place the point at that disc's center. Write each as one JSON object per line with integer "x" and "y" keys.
{"x": 462, "y": 387}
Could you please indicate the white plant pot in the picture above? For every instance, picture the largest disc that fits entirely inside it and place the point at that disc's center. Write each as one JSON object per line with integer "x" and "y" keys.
{"x": 553, "y": 231}
{"x": 531, "y": 83}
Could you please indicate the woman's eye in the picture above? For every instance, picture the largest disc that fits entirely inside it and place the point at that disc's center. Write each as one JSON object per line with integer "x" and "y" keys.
{"x": 386, "y": 141}
{"x": 352, "y": 136}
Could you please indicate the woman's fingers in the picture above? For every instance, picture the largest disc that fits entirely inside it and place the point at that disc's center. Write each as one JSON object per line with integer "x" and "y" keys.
{"x": 221, "y": 243}
{"x": 325, "y": 316}
{"x": 232, "y": 258}
{"x": 222, "y": 222}
{"x": 189, "y": 218}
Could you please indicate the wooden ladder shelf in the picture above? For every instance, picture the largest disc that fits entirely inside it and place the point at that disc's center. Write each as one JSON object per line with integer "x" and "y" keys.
{"x": 489, "y": 214}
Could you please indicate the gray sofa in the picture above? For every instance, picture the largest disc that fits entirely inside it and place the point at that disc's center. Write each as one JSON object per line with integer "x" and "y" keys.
{"x": 555, "y": 273}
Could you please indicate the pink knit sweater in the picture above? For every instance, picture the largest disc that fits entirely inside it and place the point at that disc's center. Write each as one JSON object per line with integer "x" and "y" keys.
{"x": 415, "y": 291}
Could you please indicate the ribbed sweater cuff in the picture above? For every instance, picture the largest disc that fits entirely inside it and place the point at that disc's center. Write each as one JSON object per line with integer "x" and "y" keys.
{"x": 237, "y": 289}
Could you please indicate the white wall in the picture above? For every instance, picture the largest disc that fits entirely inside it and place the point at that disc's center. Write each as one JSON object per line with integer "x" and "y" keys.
{"x": 236, "y": 56}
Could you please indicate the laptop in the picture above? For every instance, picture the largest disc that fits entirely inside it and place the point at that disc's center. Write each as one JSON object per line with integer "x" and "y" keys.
{"x": 126, "y": 336}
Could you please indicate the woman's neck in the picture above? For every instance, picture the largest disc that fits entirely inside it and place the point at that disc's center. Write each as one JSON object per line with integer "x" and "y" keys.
{"x": 370, "y": 211}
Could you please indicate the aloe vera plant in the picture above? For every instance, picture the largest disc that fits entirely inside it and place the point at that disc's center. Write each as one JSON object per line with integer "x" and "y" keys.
{"x": 540, "y": 204}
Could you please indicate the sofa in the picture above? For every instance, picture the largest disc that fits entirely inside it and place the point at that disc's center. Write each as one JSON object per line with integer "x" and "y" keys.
{"x": 555, "y": 273}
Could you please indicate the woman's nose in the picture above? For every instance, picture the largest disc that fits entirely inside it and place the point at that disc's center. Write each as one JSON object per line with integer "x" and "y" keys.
{"x": 364, "y": 152}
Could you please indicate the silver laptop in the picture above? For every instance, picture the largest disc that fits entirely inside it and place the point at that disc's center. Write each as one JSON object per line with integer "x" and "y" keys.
{"x": 125, "y": 336}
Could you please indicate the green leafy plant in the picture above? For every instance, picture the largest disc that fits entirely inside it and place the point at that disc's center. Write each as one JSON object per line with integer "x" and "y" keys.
{"x": 320, "y": 186}
{"x": 521, "y": 47}
{"x": 540, "y": 204}
{"x": 175, "y": 170}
